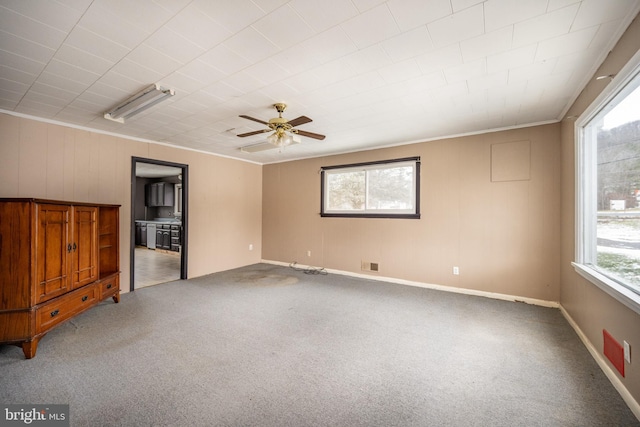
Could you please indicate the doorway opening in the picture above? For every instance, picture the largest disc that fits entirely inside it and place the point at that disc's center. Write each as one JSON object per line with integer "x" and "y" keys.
{"x": 159, "y": 220}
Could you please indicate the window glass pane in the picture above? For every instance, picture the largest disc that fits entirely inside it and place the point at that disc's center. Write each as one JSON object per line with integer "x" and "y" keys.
{"x": 390, "y": 188}
{"x": 384, "y": 189}
{"x": 346, "y": 190}
{"x": 618, "y": 191}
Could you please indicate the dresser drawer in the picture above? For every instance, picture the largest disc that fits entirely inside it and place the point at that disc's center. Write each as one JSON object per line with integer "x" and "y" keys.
{"x": 60, "y": 309}
{"x": 109, "y": 286}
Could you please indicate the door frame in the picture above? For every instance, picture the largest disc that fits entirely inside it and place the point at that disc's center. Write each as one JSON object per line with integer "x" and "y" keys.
{"x": 185, "y": 214}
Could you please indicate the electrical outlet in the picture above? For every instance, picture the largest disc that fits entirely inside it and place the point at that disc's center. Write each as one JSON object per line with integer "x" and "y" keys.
{"x": 250, "y": 247}
{"x": 627, "y": 351}
{"x": 456, "y": 271}
{"x": 308, "y": 253}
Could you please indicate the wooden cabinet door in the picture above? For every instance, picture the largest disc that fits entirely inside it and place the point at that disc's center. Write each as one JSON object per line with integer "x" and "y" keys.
{"x": 52, "y": 267}
{"x": 85, "y": 245}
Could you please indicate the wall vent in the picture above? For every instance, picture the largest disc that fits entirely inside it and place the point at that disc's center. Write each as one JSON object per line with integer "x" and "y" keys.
{"x": 369, "y": 266}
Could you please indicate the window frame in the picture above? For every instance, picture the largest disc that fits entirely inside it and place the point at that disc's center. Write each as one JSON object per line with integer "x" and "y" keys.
{"x": 585, "y": 160}
{"x": 369, "y": 166}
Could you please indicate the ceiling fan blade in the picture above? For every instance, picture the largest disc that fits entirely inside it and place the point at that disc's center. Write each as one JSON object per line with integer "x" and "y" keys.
{"x": 255, "y": 120}
{"x": 309, "y": 134}
{"x": 299, "y": 121}
{"x": 255, "y": 132}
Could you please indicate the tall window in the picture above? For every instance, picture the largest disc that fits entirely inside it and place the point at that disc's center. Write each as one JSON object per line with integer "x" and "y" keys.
{"x": 609, "y": 192}
{"x": 387, "y": 189}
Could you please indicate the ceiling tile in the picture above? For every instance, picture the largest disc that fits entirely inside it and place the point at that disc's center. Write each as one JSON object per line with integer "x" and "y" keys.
{"x": 197, "y": 27}
{"x": 458, "y": 5}
{"x": 81, "y": 59}
{"x": 55, "y": 14}
{"x": 225, "y": 13}
{"x": 488, "y": 81}
{"x": 105, "y": 23}
{"x": 594, "y": 12}
{"x": 365, "y": 60}
{"x": 224, "y": 59}
{"x": 544, "y": 26}
{"x": 501, "y": 13}
{"x": 559, "y": 4}
{"x": 222, "y": 91}
{"x": 487, "y": 44}
{"x": 30, "y": 29}
{"x": 268, "y": 72}
{"x": 88, "y": 41}
{"x": 148, "y": 57}
{"x": 147, "y": 16}
{"x": 466, "y": 71}
{"x": 26, "y": 48}
{"x": 174, "y": 45}
{"x": 400, "y": 71}
{"x": 528, "y": 72}
{"x": 410, "y": 14}
{"x": 182, "y": 84}
{"x": 371, "y": 27}
{"x": 364, "y": 5}
{"x": 283, "y": 36}
{"x": 441, "y": 58}
{"x": 565, "y": 44}
{"x": 201, "y": 72}
{"x": 325, "y": 14}
{"x": 408, "y": 44}
{"x": 136, "y": 71}
{"x": 19, "y": 62}
{"x": 511, "y": 59}
{"x": 251, "y": 45}
{"x": 460, "y": 26}
{"x": 16, "y": 75}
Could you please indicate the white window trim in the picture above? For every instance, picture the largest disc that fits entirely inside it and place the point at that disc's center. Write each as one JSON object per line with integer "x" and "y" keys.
{"x": 583, "y": 241}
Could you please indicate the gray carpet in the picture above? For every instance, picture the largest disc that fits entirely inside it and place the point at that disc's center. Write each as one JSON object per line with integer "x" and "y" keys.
{"x": 269, "y": 346}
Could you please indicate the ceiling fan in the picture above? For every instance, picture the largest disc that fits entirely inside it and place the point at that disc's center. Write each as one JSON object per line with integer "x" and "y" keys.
{"x": 284, "y": 131}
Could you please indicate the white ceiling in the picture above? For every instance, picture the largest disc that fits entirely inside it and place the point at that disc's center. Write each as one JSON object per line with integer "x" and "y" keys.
{"x": 370, "y": 73}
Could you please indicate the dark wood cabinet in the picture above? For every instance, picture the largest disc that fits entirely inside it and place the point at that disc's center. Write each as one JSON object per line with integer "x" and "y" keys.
{"x": 57, "y": 259}
{"x": 159, "y": 194}
{"x": 163, "y": 237}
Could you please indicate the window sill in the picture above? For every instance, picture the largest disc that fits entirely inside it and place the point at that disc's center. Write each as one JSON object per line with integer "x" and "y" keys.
{"x": 363, "y": 215}
{"x": 614, "y": 289}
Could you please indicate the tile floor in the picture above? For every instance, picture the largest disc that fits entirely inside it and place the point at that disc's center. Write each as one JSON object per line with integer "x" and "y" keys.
{"x": 153, "y": 267}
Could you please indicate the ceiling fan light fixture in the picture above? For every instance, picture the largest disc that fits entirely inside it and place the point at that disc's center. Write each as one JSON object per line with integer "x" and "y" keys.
{"x": 280, "y": 138}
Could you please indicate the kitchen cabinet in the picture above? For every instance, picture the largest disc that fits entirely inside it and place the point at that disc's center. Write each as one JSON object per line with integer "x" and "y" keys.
{"x": 57, "y": 259}
{"x": 163, "y": 237}
{"x": 159, "y": 194}
{"x": 141, "y": 234}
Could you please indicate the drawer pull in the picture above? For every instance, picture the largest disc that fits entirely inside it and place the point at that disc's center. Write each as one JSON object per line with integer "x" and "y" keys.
{"x": 54, "y": 313}
{"x": 109, "y": 286}
{"x": 84, "y": 298}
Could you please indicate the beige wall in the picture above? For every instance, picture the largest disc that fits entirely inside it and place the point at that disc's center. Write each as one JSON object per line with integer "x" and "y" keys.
{"x": 592, "y": 309}
{"x": 502, "y": 235}
{"x": 44, "y": 160}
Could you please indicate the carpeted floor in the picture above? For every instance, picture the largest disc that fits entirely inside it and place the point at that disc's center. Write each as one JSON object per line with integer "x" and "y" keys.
{"x": 266, "y": 345}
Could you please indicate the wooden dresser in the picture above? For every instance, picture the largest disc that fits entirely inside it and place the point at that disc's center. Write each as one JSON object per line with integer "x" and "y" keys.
{"x": 57, "y": 259}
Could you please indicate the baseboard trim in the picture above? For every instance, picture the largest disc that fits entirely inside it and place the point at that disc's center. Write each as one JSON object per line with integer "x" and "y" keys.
{"x": 611, "y": 375}
{"x": 464, "y": 291}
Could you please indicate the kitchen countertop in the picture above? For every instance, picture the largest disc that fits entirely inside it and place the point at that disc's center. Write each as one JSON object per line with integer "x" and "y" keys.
{"x": 159, "y": 221}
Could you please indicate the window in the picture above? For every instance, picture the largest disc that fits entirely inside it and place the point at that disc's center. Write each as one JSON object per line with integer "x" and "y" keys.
{"x": 385, "y": 189}
{"x": 608, "y": 199}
